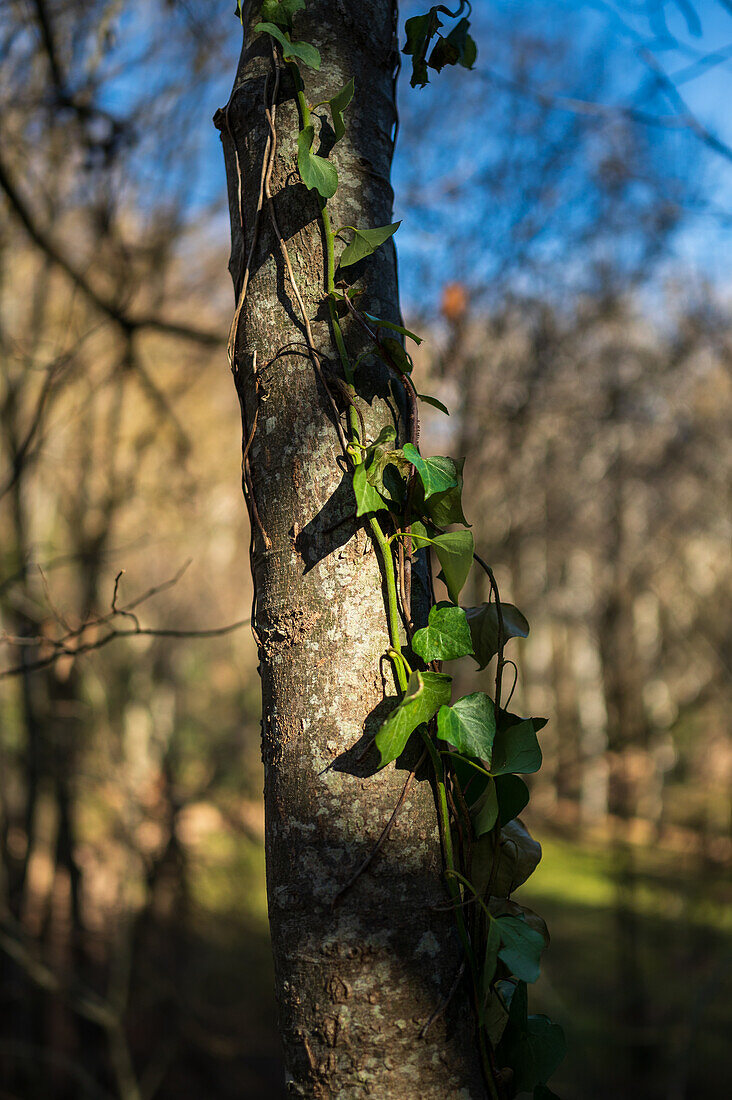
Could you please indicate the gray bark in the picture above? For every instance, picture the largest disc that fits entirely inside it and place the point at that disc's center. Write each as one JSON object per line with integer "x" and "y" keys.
{"x": 355, "y": 983}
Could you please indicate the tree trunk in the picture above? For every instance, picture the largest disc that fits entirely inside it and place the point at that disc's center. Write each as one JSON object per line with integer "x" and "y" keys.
{"x": 355, "y": 981}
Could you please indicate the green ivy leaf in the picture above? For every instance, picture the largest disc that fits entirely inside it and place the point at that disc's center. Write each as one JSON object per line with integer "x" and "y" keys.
{"x": 495, "y": 1014}
{"x": 420, "y": 31}
{"x": 385, "y": 436}
{"x": 455, "y": 553}
{"x": 341, "y": 296}
{"x": 281, "y": 11}
{"x": 517, "y": 857}
{"x": 426, "y": 692}
{"x": 469, "y": 725}
{"x": 484, "y": 813}
{"x": 534, "y": 1053}
{"x": 317, "y": 173}
{"x": 433, "y": 401}
{"x": 367, "y": 497}
{"x": 396, "y": 355}
{"x": 446, "y": 636}
{"x": 490, "y": 959}
{"x": 466, "y": 45}
{"x": 513, "y": 796}
{"x": 378, "y": 456}
{"x": 365, "y": 242}
{"x": 521, "y": 950}
{"x": 420, "y": 533}
{"x": 503, "y": 906}
{"x": 473, "y": 782}
{"x": 301, "y": 51}
{"x": 444, "y": 53}
{"x": 516, "y": 997}
{"x": 437, "y": 474}
{"x": 338, "y": 104}
{"x": 394, "y": 328}
{"x": 516, "y": 748}
{"x": 387, "y": 468}
{"x": 483, "y": 622}
{"x": 456, "y": 48}
{"x": 447, "y": 508}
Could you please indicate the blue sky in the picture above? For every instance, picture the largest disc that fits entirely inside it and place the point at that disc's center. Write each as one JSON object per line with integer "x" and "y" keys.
{"x": 701, "y": 68}
{"x": 691, "y": 45}
{"x": 688, "y": 40}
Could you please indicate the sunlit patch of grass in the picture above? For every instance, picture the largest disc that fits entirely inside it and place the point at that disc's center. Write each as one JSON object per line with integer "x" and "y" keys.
{"x": 677, "y": 961}
{"x": 639, "y": 970}
{"x": 576, "y": 875}
{"x": 664, "y": 884}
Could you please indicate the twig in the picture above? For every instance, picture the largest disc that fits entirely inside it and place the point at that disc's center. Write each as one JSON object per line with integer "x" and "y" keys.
{"x": 252, "y": 502}
{"x": 158, "y": 588}
{"x": 49, "y": 599}
{"x": 384, "y": 834}
{"x": 71, "y": 644}
{"x": 500, "y": 641}
{"x": 23, "y": 452}
{"x": 231, "y": 347}
{"x": 250, "y": 440}
{"x": 122, "y": 611}
{"x": 405, "y": 594}
{"x": 515, "y": 681}
{"x": 345, "y": 392}
{"x": 443, "y": 1006}
{"x": 122, "y": 319}
{"x": 244, "y": 274}
{"x": 86, "y": 1003}
{"x": 100, "y": 643}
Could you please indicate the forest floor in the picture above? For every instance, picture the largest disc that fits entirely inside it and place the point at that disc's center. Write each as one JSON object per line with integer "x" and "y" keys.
{"x": 639, "y": 971}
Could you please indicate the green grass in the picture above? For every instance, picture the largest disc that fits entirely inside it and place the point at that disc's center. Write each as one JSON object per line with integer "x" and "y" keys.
{"x": 639, "y": 971}
{"x": 664, "y": 884}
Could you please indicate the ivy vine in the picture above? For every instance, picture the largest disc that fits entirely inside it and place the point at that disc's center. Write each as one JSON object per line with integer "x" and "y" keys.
{"x": 476, "y": 748}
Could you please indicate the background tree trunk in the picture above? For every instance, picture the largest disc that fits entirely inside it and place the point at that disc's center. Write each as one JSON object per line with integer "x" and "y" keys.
{"x": 355, "y": 983}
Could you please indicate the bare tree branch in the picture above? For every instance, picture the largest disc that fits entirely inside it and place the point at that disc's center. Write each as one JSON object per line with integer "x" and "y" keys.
{"x": 72, "y": 642}
{"x": 123, "y": 320}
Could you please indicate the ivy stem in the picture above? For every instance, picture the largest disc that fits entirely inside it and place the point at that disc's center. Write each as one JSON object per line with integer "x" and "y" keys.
{"x": 397, "y": 655}
{"x": 302, "y": 102}
{"x": 444, "y": 817}
{"x": 379, "y": 536}
{"x": 452, "y": 873}
{"x": 392, "y": 603}
{"x": 329, "y": 247}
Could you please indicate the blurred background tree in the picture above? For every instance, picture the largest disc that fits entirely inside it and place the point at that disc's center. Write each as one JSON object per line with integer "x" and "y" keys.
{"x": 565, "y": 219}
